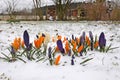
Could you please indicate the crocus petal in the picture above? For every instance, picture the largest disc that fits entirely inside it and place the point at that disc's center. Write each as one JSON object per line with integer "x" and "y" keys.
{"x": 36, "y": 44}
{"x": 80, "y": 48}
{"x": 29, "y": 47}
{"x": 43, "y": 34}
{"x": 12, "y": 50}
{"x": 91, "y": 35}
{"x": 73, "y": 37}
{"x": 73, "y": 56}
{"x": 59, "y": 37}
{"x": 22, "y": 44}
{"x": 96, "y": 44}
{"x": 87, "y": 41}
{"x": 83, "y": 35}
{"x": 67, "y": 48}
{"x": 72, "y": 62}
{"x": 49, "y": 52}
{"x": 102, "y": 40}
{"x": 57, "y": 60}
{"x": 37, "y": 36}
{"x": 26, "y": 38}
{"x": 60, "y": 46}
{"x": 77, "y": 40}
{"x": 74, "y": 46}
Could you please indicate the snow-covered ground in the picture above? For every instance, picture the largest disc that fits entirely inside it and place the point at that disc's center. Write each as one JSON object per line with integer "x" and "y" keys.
{"x": 103, "y": 66}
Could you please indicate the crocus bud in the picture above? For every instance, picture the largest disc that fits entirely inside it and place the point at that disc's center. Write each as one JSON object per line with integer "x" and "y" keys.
{"x": 12, "y": 50}
{"x": 83, "y": 35}
{"x": 73, "y": 56}
{"x": 73, "y": 37}
{"x": 26, "y": 38}
{"x": 81, "y": 40}
{"x": 91, "y": 38}
{"x": 49, "y": 52}
{"x": 60, "y": 46}
{"x": 43, "y": 34}
{"x": 72, "y": 62}
{"x": 91, "y": 35}
{"x": 102, "y": 40}
{"x": 37, "y": 36}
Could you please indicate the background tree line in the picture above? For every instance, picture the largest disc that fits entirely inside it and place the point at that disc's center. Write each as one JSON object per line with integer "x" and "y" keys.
{"x": 98, "y": 10}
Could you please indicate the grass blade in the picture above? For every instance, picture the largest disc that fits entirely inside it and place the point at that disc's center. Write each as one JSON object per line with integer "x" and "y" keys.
{"x": 86, "y": 61}
{"x": 40, "y": 60}
{"x": 6, "y": 56}
{"x": 21, "y": 59}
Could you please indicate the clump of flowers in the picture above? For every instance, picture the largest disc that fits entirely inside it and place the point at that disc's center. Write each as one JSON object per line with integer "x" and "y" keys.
{"x": 39, "y": 50}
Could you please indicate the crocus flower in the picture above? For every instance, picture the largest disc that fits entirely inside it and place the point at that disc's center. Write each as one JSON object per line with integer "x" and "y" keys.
{"x": 57, "y": 60}
{"x": 91, "y": 35}
{"x": 59, "y": 37}
{"x": 82, "y": 40}
{"x": 26, "y": 38}
{"x": 72, "y": 60}
{"x": 73, "y": 56}
{"x": 22, "y": 43}
{"x": 96, "y": 44}
{"x": 91, "y": 38}
{"x": 80, "y": 48}
{"x": 38, "y": 42}
{"x": 16, "y": 44}
{"x": 49, "y": 52}
{"x": 73, "y": 37}
{"x": 37, "y": 36}
{"x": 43, "y": 34}
{"x": 77, "y": 40}
{"x": 102, "y": 40}
{"x": 74, "y": 46}
{"x": 87, "y": 40}
{"x": 12, "y": 50}
{"x": 69, "y": 53}
{"x": 64, "y": 39}
{"x": 60, "y": 46}
{"x": 67, "y": 46}
{"x": 83, "y": 35}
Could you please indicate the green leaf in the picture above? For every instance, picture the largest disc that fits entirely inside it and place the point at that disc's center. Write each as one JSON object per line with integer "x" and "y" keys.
{"x": 6, "y": 56}
{"x": 6, "y": 59}
{"x": 86, "y": 61}
{"x": 113, "y": 48}
{"x": 108, "y": 48}
{"x": 40, "y": 59}
{"x": 21, "y": 59}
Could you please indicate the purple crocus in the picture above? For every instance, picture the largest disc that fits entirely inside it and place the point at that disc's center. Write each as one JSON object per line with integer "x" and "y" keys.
{"x": 49, "y": 52}
{"x": 26, "y": 38}
{"x": 12, "y": 50}
{"x": 60, "y": 46}
{"x": 102, "y": 40}
{"x": 69, "y": 53}
{"x": 91, "y": 38}
{"x": 73, "y": 37}
{"x": 91, "y": 35}
{"x": 82, "y": 40}
{"x": 72, "y": 60}
{"x": 83, "y": 35}
{"x": 43, "y": 34}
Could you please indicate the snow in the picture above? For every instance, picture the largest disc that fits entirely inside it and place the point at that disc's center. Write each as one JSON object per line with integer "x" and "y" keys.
{"x": 103, "y": 66}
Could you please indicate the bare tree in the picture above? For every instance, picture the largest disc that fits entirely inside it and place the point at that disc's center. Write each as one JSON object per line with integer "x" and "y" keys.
{"x": 11, "y": 7}
{"x": 62, "y": 7}
{"x": 38, "y": 10}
